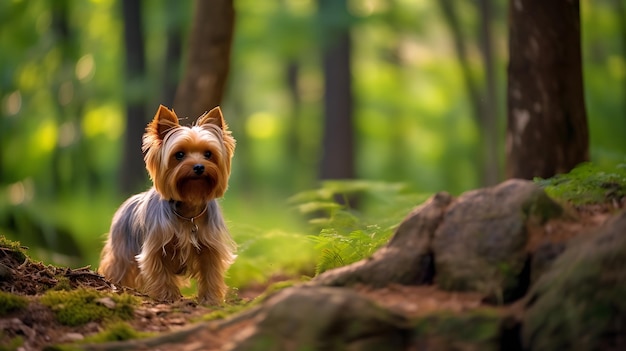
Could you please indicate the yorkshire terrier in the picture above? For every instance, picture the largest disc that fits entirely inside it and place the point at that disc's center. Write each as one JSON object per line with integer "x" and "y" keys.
{"x": 176, "y": 228}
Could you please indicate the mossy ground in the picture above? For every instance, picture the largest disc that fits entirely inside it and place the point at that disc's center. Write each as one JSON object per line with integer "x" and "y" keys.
{"x": 235, "y": 304}
{"x": 10, "y": 303}
{"x": 82, "y": 306}
{"x": 588, "y": 184}
{"x": 13, "y": 249}
{"x": 118, "y": 331}
{"x": 479, "y": 328}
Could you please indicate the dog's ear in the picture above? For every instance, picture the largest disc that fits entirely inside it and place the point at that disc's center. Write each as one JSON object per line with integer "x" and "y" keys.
{"x": 164, "y": 120}
{"x": 214, "y": 117}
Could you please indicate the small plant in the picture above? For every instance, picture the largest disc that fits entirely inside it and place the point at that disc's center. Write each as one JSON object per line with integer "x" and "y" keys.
{"x": 347, "y": 235}
{"x": 10, "y": 303}
{"x": 82, "y": 306}
{"x": 587, "y": 184}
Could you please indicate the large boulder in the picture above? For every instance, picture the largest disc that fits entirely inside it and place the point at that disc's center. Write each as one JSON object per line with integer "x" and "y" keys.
{"x": 481, "y": 242}
{"x": 324, "y": 318}
{"x": 580, "y": 303}
{"x": 476, "y": 242}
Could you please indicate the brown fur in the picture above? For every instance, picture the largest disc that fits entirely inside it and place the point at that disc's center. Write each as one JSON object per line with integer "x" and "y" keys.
{"x": 150, "y": 247}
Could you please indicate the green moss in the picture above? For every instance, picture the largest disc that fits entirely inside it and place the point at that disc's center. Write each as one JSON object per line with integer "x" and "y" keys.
{"x": 13, "y": 248}
{"x": 480, "y": 328}
{"x": 579, "y": 303}
{"x": 83, "y": 305}
{"x": 223, "y": 312}
{"x": 63, "y": 283}
{"x": 118, "y": 331}
{"x": 587, "y": 184}
{"x": 236, "y": 305}
{"x": 10, "y": 302}
{"x": 10, "y": 344}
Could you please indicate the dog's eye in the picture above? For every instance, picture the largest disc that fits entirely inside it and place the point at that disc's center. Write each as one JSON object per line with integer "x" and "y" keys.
{"x": 208, "y": 155}
{"x": 179, "y": 155}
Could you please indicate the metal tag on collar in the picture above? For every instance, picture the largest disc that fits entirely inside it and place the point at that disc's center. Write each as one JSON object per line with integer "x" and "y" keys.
{"x": 194, "y": 229}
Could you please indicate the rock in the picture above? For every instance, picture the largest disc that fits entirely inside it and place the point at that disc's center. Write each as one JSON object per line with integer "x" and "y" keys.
{"x": 324, "y": 318}
{"x": 481, "y": 242}
{"x": 480, "y": 329}
{"x": 476, "y": 242}
{"x": 107, "y": 302}
{"x": 543, "y": 257}
{"x": 580, "y": 302}
{"x": 71, "y": 337}
{"x": 406, "y": 259}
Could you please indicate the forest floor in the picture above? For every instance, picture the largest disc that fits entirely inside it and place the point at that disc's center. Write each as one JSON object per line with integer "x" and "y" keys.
{"x": 38, "y": 327}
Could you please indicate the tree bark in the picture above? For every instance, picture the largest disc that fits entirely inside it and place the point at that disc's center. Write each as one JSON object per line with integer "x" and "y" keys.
{"x": 338, "y": 141}
{"x": 173, "y": 54}
{"x": 547, "y": 129}
{"x": 132, "y": 173}
{"x": 208, "y": 62}
{"x": 489, "y": 118}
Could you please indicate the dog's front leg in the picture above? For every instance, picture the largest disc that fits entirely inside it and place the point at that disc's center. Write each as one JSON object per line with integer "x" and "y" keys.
{"x": 157, "y": 278}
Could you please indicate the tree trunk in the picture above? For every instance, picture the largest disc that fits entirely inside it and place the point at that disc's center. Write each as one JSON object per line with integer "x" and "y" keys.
{"x": 482, "y": 102}
{"x": 173, "y": 53}
{"x": 208, "y": 62}
{"x": 293, "y": 131}
{"x": 547, "y": 129}
{"x": 489, "y": 120}
{"x": 132, "y": 173}
{"x": 338, "y": 141}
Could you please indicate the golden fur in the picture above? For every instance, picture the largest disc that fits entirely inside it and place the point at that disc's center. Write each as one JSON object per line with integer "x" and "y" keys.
{"x": 176, "y": 228}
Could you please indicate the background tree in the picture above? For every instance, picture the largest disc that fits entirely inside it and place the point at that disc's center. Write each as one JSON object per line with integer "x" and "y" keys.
{"x": 132, "y": 171}
{"x": 547, "y": 129}
{"x": 208, "y": 61}
{"x": 338, "y": 141}
{"x": 483, "y": 100}
{"x": 173, "y": 51}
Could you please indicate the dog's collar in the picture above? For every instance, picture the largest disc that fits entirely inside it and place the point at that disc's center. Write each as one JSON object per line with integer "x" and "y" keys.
{"x": 194, "y": 229}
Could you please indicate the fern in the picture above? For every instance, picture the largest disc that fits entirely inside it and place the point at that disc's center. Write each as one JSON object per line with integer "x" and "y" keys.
{"x": 347, "y": 235}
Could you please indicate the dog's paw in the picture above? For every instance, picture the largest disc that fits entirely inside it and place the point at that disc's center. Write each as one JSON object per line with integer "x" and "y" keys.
{"x": 171, "y": 295}
{"x": 210, "y": 300}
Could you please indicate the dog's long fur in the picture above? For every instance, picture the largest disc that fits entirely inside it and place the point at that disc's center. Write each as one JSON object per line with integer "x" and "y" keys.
{"x": 149, "y": 245}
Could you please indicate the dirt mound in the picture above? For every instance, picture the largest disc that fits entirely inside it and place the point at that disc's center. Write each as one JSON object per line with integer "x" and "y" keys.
{"x": 37, "y": 326}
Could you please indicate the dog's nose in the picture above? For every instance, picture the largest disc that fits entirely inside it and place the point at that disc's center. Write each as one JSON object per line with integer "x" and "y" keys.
{"x": 198, "y": 169}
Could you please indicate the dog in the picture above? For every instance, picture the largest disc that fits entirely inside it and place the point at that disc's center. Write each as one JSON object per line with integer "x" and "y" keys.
{"x": 176, "y": 228}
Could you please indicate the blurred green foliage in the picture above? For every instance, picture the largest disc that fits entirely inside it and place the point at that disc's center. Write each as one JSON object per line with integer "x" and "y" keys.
{"x": 62, "y": 98}
{"x": 347, "y": 235}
